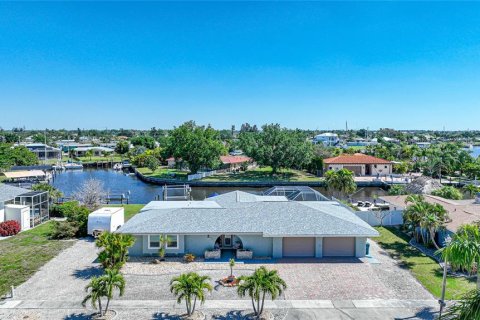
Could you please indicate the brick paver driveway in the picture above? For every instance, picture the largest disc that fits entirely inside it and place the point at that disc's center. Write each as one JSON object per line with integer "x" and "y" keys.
{"x": 65, "y": 277}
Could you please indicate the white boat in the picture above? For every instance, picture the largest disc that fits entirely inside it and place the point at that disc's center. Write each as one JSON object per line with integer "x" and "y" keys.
{"x": 73, "y": 166}
{"x": 117, "y": 166}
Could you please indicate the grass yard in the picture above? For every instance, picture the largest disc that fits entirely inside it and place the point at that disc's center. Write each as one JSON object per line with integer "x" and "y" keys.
{"x": 264, "y": 174}
{"x": 130, "y": 209}
{"x": 164, "y": 173}
{"x": 22, "y": 255}
{"x": 425, "y": 269}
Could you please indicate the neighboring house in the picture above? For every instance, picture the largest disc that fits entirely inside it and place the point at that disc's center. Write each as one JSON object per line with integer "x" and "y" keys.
{"x": 97, "y": 151}
{"x": 360, "y": 164}
{"x": 233, "y": 163}
{"x": 44, "y": 152}
{"x": 328, "y": 139}
{"x": 459, "y": 211}
{"x": 266, "y": 226}
{"x": 229, "y": 163}
{"x": 15, "y": 201}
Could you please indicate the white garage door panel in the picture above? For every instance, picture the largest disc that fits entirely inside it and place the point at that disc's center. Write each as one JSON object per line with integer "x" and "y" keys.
{"x": 298, "y": 247}
{"x": 339, "y": 247}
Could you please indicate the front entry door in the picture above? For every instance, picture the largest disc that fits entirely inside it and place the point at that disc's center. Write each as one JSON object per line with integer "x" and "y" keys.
{"x": 227, "y": 241}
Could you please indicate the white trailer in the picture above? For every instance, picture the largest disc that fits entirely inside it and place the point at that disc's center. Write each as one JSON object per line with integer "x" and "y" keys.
{"x": 105, "y": 219}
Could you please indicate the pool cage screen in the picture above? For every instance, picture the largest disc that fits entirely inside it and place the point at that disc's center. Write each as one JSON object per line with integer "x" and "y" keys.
{"x": 38, "y": 203}
{"x": 296, "y": 193}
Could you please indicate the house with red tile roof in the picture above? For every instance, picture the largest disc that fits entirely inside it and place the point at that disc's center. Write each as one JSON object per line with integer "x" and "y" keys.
{"x": 360, "y": 164}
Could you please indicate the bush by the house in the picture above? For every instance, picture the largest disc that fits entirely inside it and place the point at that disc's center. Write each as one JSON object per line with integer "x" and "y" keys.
{"x": 63, "y": 230}
{"x": 76, "y": 223}
{"x": 448, "y": 192}
{"x": 9, "y": 228}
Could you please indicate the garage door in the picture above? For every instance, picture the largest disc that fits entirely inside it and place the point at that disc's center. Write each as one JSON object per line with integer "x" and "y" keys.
{"x": 339, "y": 247}
{"x": 298, "y": 247}
{"x": 357, "y": 170}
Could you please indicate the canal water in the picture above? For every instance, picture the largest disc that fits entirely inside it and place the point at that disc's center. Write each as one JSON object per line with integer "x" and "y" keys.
{"x": 117, "y": 182}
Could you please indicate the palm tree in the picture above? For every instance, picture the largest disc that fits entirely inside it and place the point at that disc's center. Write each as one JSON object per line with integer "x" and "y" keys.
{"x": 466, "y": 309}
{"x": 96, "y": 290}
{"x": 113, "y": 280}
{"x": 231, "y": 263}
{"x": 190, "y": 286}
{"x": 341, "y": 180}
{"x": 115, "y": 249}
{"x": 471, "y": 189}
{"x": 258, "y": 285}
{"x": 422, "y": 215}
{"x": 104, "y": 286}
{"x": 464, "y": 249}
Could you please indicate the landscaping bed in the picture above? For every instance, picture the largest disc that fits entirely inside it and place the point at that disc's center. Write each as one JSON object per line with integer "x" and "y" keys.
{"x": 425, "y": 269}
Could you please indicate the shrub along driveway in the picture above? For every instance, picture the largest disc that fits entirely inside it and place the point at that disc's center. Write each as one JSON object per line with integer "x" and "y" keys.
{"x": 65, "y": 276}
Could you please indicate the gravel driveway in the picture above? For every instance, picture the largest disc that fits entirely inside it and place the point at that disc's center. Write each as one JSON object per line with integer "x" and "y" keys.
{"x": 65, "y": 277}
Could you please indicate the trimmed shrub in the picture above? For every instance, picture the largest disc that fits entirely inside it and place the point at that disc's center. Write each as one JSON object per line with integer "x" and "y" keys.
{"x": 448, "y": 192}
{"x": 9, "y": 228}
{"x": 63, "y": 230}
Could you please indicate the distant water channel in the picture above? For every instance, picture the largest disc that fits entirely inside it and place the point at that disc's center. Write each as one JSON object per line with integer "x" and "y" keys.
{"x": 141, "y": 192}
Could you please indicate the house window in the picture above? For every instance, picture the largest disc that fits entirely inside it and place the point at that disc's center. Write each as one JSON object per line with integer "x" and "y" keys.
{"x": 153, "y": 242}
{"x": 385, "y": 167}
{"x": 375, "y": 165}
{"x": 172, "y": 241}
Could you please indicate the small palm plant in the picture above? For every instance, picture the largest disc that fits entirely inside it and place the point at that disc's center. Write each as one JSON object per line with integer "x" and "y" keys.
{"x": 161, "y": 251}
{"x": 104, "y": 287}
{"x": 231, "y": 263}
{"x": 258, "y": 285}
{"x": 190, "y": 287}
{"x": 466, "y": 309}
{"x": 471, "y": 189}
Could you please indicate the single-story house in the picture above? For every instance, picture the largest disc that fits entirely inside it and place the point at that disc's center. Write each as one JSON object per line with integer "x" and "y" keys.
{"x": 44, "y": 152}
{"x": 96, "y": 151}
{"x": 360, "y": 164}
{"x": 229, "y": 163}
{"x": 460, "y": 212}
{"x": 263, "y": 225}
{"x": 232, "y": 163}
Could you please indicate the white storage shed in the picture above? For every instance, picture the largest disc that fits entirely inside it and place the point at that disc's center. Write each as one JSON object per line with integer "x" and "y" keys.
{"x": 19, "y": 213}
{"x": 105, "y": 219}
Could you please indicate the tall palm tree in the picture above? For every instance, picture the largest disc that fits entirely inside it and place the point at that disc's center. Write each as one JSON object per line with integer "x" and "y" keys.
{"x": 258, "y": 285}
{"x": 341, "y": 180}
{"x": 190, "y": 287}
{"x": 433, "y": 220}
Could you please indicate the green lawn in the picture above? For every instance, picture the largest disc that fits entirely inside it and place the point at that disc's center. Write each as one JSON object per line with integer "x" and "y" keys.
{"x": 424, "y": 268}
{"x": 164, "y": 173}
{"x": 22, "y": 255}
{"x": 264, "y": 174}
{"x": 130, "y": 209}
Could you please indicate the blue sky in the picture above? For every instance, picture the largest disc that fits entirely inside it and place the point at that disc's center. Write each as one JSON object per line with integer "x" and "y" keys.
{"x": 308, "y": 65}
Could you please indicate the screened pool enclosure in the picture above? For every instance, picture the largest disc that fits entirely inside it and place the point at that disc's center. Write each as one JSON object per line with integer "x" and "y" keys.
{"x": 38, "y": 203}
{"x": 296, "y": 193}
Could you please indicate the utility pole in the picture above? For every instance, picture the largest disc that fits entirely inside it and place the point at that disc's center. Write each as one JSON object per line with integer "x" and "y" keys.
{"x": 45, "y": 147}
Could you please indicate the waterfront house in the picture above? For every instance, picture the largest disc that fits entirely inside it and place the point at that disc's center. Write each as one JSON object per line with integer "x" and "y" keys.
{"x": 460, "y": 212}
{"x": 96, "y": 151}
{"x": 234, "y": 163}
{"x": 360, "y": 164}
{"x": 44, "y": 152}
{"x": 244, "y": 225}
